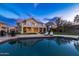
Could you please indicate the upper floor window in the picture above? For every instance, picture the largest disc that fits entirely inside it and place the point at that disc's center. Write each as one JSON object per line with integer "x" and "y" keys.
{"x": 29, "y": 24}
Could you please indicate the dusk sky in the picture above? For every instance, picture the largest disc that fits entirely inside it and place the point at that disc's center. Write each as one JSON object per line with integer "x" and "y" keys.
{"x": 39, "y": 11}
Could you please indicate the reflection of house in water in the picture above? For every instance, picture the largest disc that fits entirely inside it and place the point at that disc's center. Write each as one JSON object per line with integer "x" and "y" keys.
{"x": 76, "y": 45}
{"x": 31, "y": 25}
{"x": 25, "y": 43}
{"x": 62, "y": 41}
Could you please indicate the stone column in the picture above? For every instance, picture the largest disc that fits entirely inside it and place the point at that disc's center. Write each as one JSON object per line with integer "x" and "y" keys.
{"x": 45, "y": 29}
{"x": 38, "y": 29}
{"x": 6, "y": 29}
{"x": 32, "y": 30}
{"x": 42, "y": 30}
{"x": 21, "y": 28}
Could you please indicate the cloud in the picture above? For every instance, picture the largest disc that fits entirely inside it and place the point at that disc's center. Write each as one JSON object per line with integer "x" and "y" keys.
{"x": 9, "y": 7}
{"x": 8, "y": 14}
{"x": 35, "y": 5}
{"x": 67, "y": 14}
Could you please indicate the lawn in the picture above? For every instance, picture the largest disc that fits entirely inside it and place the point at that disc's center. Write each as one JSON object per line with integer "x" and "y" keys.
{"x": 66, "y": 33}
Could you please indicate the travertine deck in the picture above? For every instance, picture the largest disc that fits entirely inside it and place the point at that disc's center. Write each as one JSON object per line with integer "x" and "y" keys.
{"x": 68, "y": 36}
{"x": 2, "y": 39}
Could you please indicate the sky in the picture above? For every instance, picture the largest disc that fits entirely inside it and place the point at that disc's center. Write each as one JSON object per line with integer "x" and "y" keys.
{"x": 39, "y": 10}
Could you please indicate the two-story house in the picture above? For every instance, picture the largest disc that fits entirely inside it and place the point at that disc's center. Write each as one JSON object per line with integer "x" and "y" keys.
{"x": 31, "y": 25}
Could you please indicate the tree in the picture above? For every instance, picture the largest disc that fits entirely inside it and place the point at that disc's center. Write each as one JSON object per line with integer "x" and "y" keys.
{"x": 59, "y": 23}
{"x": 76, "y": 19}
{"x": 63, "y": 25}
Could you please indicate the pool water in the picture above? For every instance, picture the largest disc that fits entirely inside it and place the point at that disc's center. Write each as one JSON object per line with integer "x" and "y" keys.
{"x": 40, "y": 47}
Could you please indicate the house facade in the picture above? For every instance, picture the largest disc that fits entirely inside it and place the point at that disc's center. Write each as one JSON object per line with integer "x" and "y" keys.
{"x": 12, "y": 28}
{"x": 52, "y": 25}
{"x": 3, "y": 26}
{"x": 31, "y": 25}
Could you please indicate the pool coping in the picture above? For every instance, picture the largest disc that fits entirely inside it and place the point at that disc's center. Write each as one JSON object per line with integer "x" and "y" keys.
{"x": 4, "y": 39}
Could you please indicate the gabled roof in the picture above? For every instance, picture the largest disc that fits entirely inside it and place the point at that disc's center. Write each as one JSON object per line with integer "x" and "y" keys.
{"x": 50, "y": 23}
{"x": 19, "y": 20}
{"x": 34, "y": 20}
{"x": 3, "y": 23}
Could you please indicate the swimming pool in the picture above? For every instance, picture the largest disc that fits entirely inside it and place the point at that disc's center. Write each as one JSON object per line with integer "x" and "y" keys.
{"x": 40, "y": 47}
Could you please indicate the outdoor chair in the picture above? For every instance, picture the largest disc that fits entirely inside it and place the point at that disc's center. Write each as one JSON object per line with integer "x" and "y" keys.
{"x": 46, "y": 34}
{"x": 51, "y": 33}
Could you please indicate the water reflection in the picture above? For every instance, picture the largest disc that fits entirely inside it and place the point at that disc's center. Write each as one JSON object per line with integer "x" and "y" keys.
{"x": 62, "y": 41}
{"x": 43, "y": 46}
{"x": 31, "y": 42}
{"x": 76, "y": 45}
{"x": 24, "y": 43}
